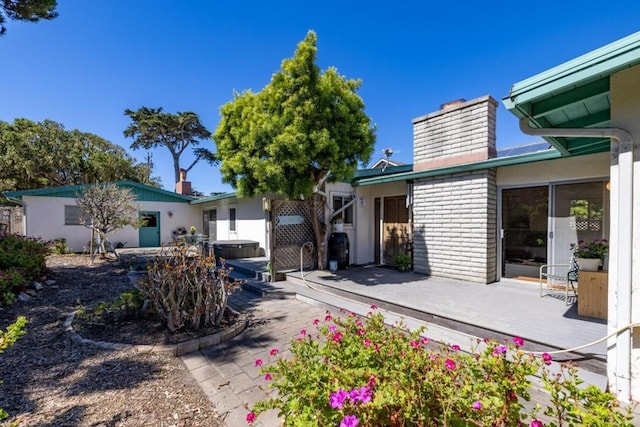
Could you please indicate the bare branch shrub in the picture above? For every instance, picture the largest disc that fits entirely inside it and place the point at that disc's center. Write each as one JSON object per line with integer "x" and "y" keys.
{"x": 187, "y": 292}
{"x": 107, "y": 208}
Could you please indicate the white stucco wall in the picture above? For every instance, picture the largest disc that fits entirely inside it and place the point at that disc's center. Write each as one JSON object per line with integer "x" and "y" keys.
{"x": 564, "y": 169}
{"x": 250, "y": 220}
{"x": 44, "y": 217}
{"x": 364, "y": 236}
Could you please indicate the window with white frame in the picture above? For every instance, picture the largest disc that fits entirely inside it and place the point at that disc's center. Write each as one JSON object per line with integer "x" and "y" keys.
{"x": 232, "y": 220}
{"x": 73, "y": 216}
{"x": 347, "y": 214}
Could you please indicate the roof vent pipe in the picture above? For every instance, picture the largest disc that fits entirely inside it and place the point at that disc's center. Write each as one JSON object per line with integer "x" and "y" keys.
{"x": 622, "y": 181}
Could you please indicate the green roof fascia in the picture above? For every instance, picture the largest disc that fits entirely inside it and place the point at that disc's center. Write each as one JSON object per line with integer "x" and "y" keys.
{"x": 466, "y": 167}
{"x": 143, "y": 193}
{"x": 214, "y": 198}
{"x": 389, "y": 170}
{"x": 595, "y": 65}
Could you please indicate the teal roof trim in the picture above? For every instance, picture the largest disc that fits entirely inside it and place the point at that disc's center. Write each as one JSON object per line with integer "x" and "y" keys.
{"x": 598, "y": 64}
{"x": 214, "y": 198}
{"x": 466, "y": 167}
{"x": 575, "y": 94}
{"x": 389, "y": 170}
{"x": 143, "y": 193}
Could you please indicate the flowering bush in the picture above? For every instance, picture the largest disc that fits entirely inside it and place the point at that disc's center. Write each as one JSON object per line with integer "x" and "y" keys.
{"x": 595, "y": 249}
{"x": 351, "y": 372}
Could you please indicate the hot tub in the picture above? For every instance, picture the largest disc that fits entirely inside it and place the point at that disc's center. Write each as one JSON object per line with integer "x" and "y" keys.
{"x": 234, "y": 249}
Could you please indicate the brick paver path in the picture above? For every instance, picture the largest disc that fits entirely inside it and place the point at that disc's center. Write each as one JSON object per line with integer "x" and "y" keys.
{"x": 228, "y": 373}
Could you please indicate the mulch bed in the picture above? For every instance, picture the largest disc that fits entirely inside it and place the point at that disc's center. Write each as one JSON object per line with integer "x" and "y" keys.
{"x": 50, "y": 380}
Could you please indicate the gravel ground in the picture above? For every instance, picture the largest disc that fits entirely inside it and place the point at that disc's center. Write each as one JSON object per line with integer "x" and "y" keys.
{"x": 49, "y": 380}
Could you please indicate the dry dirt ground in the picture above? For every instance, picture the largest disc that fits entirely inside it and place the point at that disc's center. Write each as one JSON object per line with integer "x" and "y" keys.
{"x": 50, "y": 380}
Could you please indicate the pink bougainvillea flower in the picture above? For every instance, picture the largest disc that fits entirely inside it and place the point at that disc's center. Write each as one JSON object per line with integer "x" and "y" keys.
{"x": 358, "y": 323}
{"x": 519, "y": 342}
{"x": 337, "y": 399}
{"x": 349, "y": 421}
{"x": 372, "y": 381}
{"x": 273, "y": 351}
{"x": 414, "y": 344}
{"x": 367, "y": 343}
{"x": 499, "y": 350}
{"x": 363, "y": 395}
{"x": 337, "y": 336}
{"x": 258, "y": 362}
{"x": 477, "y": 405}
{"x": 455, "y": 347}
{"x": 267, "y": 376}
{"x": 547, "y": 358}
{"x": 251, "y": 417}
{"x": 377, "y": 348}
{"x": 332, "y": 328}
{"x": 328, "y": 317}
{"x": 536, "y": 423}
{"x": 361, "y": 332}
{"x": 315, "y": 322}
{"x": 303, "y": 332}
{"x": 450, "y": 364}
{"x": 374, "y": 307}
{"x": 424, "y": 340}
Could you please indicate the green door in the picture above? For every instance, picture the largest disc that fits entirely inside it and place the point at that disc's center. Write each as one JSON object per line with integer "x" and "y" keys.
{"x": 150, "y": 229}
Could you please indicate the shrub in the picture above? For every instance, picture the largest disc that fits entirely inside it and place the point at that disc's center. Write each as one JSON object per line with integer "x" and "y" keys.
{"x": 187, "y": 292}
{"x": 59, "y": 246}
{"x": 20, "y": 256}
{"x": 128, "y": 306}
{"x": 7, "y": 339}
{"x": 11, "y": 281}
{"x": 353, "y": 372}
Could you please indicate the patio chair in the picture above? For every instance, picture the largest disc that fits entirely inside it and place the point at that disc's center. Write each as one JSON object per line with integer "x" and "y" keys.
{"x": 564, "y": 274}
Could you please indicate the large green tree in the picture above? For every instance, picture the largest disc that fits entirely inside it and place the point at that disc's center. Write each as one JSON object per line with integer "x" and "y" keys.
{"x": 45, "y": 154}
{"x": 151, "y": 127}
{"x": 26, "y": 10}
{"x": 304, "y": 127}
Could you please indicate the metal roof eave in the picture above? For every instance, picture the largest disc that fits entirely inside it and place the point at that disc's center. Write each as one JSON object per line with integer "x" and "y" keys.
{"x": 52, "y": 191}
{"x": 595, "y": 65}
{"x": 466, "y": 167}
{"x": 213, "y": 198}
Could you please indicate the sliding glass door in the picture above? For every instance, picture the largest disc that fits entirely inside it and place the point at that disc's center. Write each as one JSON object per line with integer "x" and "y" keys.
{"x": 580, "y": 213}
{"x": 524, "y": 225}
{"x": 539, "y": 224}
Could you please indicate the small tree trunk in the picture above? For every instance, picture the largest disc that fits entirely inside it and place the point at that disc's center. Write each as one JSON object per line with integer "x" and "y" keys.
{"x": 319, "y": 230}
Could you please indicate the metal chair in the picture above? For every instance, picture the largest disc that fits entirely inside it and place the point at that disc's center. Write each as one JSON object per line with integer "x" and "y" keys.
{"x": 567, "y": 274}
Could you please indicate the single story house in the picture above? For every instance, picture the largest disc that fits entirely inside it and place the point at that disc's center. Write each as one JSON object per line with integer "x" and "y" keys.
{"x": 52, "y": 213}
{"x": 464, "y": 209}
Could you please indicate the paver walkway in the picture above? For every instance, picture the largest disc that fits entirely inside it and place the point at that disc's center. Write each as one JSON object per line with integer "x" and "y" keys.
{"x": 228, "y": 373}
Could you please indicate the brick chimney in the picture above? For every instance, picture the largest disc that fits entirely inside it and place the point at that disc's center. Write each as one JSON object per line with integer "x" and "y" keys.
{"x": 460, "y": 132}
{"x": 183, "y": 186}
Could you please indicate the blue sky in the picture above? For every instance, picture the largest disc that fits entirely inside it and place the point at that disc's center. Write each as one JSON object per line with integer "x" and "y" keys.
{"x": 100, "y": 57}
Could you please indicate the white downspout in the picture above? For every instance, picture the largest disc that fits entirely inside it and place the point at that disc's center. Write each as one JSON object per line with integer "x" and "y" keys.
{"x": 621, "y": 238}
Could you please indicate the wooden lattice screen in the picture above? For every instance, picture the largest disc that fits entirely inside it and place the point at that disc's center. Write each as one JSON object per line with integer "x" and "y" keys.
{"x": 291, "y": 228}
